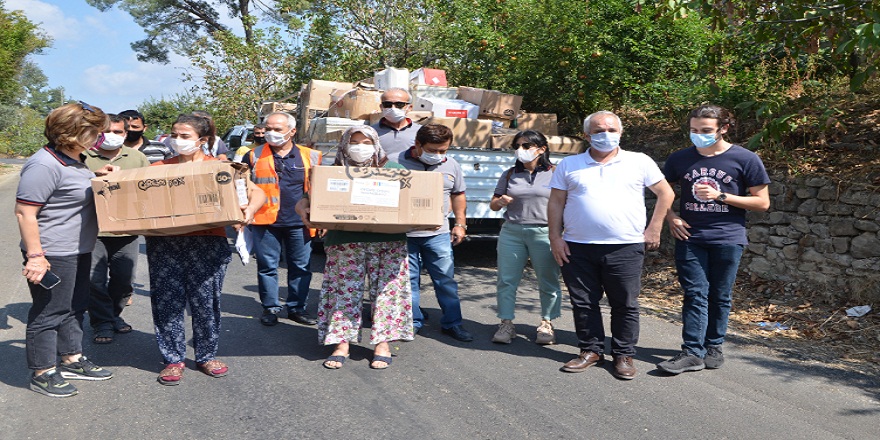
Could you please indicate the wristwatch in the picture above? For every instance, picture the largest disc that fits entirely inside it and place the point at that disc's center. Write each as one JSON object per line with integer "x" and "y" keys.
{"x": 721, "y": 197}
{"x": 461, "y": 226}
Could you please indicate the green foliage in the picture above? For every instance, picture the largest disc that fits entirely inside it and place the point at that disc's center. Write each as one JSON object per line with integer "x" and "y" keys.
{"x": 24, "y": 133}
{"x": 571, "y": 57}
{"x": 235, "y": 77}
{"x": 160, "y": 114}
{"x": 18, "y": 39}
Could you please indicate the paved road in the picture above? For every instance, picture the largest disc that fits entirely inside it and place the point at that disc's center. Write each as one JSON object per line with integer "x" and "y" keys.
{"x": 437, "y": 388}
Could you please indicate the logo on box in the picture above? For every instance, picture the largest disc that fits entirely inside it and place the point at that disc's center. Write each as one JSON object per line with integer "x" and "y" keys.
{"x": 456, "y": 113}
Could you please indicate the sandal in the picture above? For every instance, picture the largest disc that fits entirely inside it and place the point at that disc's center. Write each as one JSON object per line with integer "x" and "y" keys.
{"x": 103, "y": 337}
{"x": 377, "y": 358}
{"x": 338, "y": 359}
{"x": 172, "y": 374}
{"x": 122, "y": 328}
{"x": 214, "y": 368}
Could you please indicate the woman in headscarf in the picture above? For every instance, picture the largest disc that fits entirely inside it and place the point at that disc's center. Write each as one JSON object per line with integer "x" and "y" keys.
{"x": 353, "y": 258}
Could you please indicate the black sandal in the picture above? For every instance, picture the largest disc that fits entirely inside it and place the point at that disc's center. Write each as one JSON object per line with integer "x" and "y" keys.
{"x": 103, "y": 337}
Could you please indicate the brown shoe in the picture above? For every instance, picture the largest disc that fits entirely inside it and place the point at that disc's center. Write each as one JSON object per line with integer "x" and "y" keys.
{"x": 624, "y": 368}
{"x": 584, "y": 360}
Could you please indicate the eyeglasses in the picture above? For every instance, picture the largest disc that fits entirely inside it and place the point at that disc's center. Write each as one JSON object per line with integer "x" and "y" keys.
{"x": 86, "y": 107}
{"x": 398, "y": 104}
{"x": 525, "y": 145}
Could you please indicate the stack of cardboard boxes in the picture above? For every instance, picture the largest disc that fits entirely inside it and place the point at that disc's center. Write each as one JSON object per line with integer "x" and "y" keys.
{"x": 479, "y": 118}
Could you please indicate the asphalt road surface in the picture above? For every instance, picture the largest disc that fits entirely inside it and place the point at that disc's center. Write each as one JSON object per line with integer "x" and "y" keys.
{"x": 437, "y": 388}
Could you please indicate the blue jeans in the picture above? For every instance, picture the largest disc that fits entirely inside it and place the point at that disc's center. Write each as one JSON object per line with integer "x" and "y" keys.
{"x": 706, "y": 273}
{"x": 435, "y": 254}
{"x": 516, "y": 245}
{"x": 269, "y": 241}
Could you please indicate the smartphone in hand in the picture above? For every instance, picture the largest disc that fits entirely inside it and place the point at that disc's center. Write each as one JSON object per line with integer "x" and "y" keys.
{"x": 50, "y": 280}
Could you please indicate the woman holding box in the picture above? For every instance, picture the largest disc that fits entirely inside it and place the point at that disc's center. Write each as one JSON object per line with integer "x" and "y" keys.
{"x": 190, "y": 268}
{"x": 524, "y": 190}
{"x": 352, "y": 257}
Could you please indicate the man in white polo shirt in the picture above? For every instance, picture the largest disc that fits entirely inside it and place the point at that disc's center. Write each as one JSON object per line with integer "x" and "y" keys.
{"x": 597, "y": 227}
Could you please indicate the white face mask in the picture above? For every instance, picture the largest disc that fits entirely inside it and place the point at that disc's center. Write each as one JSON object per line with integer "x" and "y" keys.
{"x": 112, "y": 141}
{"x": 184, "y": 147}
{"x": 276, "y": 139}
{"x": 361, "y": 153}
{"x": 431, "y": 158}
{"x": 394, "y": 114}
{"x": 605, "y": 141}
{"x": 525, "y": 156}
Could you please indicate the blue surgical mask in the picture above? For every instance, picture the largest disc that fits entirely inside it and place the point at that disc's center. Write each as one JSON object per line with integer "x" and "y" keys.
{"x": 703, "y": 140}
{"x": 605, "y": 142}
{"x": 431, "y": 158}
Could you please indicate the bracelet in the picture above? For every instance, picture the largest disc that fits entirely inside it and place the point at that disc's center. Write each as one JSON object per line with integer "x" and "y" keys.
{"x": 461, "y": 226}
{"x": 37, "y": 255}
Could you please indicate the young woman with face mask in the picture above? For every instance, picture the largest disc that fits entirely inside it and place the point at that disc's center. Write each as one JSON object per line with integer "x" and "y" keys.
{"x": 524, "y": 191}
{"x": 189, "y": 269}
{"x": 352, "y": 256}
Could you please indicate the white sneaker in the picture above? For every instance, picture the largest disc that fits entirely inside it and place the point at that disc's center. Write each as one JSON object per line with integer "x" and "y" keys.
{"x": 506, "y": 332}
{"x": 545, "y": 334}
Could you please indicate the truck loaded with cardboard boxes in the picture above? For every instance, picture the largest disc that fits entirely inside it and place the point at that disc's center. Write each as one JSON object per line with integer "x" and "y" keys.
{"x": 480, "y": 120}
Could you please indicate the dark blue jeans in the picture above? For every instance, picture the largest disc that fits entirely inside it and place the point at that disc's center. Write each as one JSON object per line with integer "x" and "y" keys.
{"x": 706, "y": 273}
{"x": 296, "y": 243}
{"x": 614, "y": 270}
{"x": 114, "y": 261}
{"x": 54, "y": 323}
{"x": 435, "y": 255}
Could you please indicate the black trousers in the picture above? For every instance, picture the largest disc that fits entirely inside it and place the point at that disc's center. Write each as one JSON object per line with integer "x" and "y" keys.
{"x": 614, "y": 270}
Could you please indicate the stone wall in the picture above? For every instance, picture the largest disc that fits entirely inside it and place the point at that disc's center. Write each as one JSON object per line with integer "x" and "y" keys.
{"x": 819, "y": 234}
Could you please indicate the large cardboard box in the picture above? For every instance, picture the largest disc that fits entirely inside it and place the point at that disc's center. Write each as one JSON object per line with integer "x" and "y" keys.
{"x": 431, "y": 77}
{"x": 566, "y": 144}
{"x": 447, "y": 108}
{"x": 498, "y": 124}
{"x": 385, "y": 200}
{"x": 171, "y": 199}
{"x": 501, "y": 141}
{"x": 355, "y": 104}
{"x": 546, "y": 123}
{"x": 492, "y": 102}
{"x": 324, "y": 130}
{"x": 471, "y": 133}
{"x": 270, "y": 107}
{"x": 316, "y": 94}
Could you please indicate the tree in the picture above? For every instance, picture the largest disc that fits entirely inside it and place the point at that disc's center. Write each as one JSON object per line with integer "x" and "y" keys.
{"x": 18, "y": 39}
{"x": 177, "y": 25}
{"x": 236, "y": 78}
{"x": 160, "y": 114}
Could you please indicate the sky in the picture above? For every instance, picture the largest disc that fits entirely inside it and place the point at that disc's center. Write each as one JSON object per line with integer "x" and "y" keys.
{"x": 91, "y": 56}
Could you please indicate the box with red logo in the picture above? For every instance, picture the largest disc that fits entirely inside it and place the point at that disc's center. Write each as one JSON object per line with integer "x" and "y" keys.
{"x": 366, "y": 199}
{"x": 430, "y": 77}
{"x": 171, "y": 199}
{"x": 447, "y": 108}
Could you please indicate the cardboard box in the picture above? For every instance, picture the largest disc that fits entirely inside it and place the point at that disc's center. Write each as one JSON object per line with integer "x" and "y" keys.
{"x": 418, "y": 91}
{"x": 566, "y": 144}
{"x": 492, "y": 102}
{"x": 316, "y": 95}
{"x": 545, "y": 123}
{"x": 447, "y": 108}
{"x": 303, "y": 120}
{"x": 497, "y": 123}
{"x": 385, "y": 200}
{"x": 355, "y": 104}
{"x": 324, "y": 130}
{"x": 270, "y": 107}
{"x": 501, "y": 141}
{"x": 171, "y": 199}
{"x": 430, "y": 77}
{"x": 472, "y": 133}
{"x": 415, "y": 116}
{"x": 391, "y": 78}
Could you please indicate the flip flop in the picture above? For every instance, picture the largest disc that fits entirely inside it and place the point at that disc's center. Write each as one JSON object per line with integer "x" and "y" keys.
{"x": 339, "y": 359}
{"x": 377, "y": 358}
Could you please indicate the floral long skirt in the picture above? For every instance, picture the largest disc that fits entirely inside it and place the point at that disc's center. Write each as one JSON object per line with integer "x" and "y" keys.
{"x": 350, "y": 268}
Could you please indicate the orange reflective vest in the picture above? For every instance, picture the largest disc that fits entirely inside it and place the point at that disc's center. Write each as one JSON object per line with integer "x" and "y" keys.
{"x": 266, "y": 178}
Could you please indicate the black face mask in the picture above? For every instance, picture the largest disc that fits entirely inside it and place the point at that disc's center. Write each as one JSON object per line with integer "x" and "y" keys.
{"x": 259, "y": 140}
{"x": 133, "y": 136}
